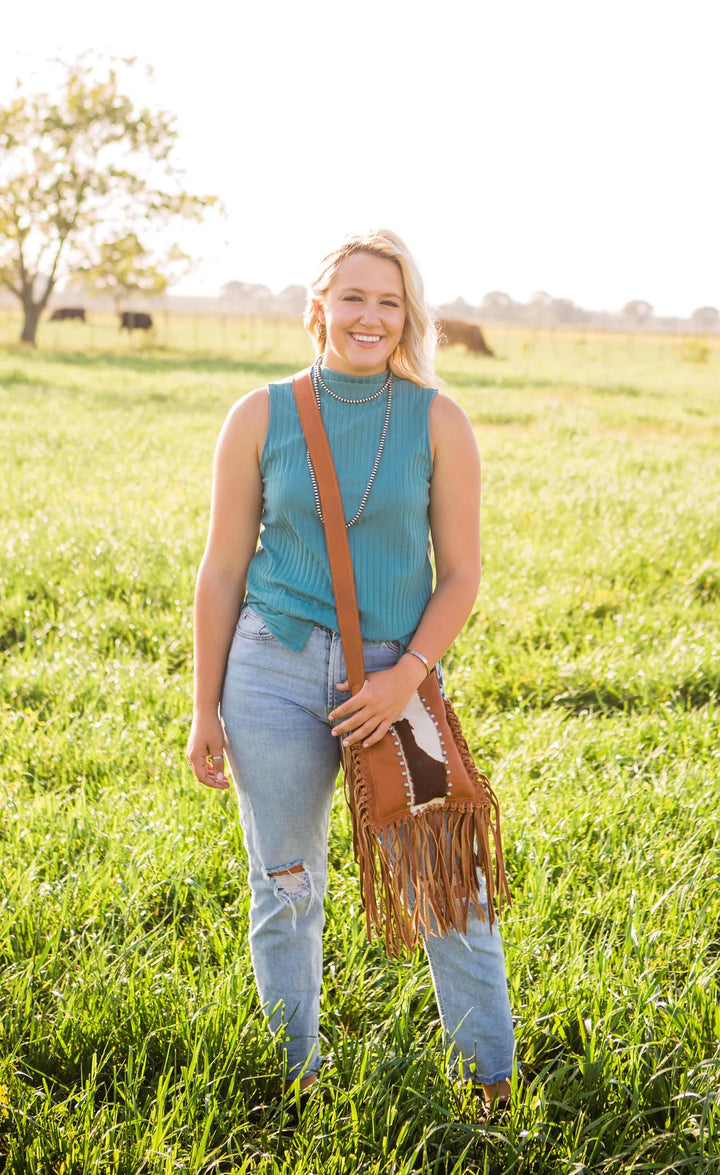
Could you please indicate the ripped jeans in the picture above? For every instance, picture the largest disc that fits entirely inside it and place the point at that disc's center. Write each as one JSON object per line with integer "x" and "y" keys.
{"x": 284, "y": 762}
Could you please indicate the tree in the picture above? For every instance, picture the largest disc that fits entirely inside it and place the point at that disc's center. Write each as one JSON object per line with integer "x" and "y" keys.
{"x": 458, "y": 309}
{"x": 565, "y": 311}
{"x": 498, "y": 304}
{"x": 705, "y": 318}
{"x": 81, "y": 168}
{"x": 291, "y": 301}
{"x": 125, "y": 267}
{"x": 638, "y": 311}
{"x": 540, "y": 307}
{"x": 247, "y": 298}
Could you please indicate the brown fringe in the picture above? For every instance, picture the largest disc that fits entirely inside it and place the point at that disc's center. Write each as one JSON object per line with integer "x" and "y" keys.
{"x": 419, "y": 876}
{"x": 490, "y": 800}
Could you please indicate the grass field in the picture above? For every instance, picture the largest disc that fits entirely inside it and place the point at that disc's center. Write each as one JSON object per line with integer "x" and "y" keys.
{"x": 588, "y": 680}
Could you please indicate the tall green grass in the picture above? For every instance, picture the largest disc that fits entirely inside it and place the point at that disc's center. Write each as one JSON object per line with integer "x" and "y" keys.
{"x": 588, "y": 681}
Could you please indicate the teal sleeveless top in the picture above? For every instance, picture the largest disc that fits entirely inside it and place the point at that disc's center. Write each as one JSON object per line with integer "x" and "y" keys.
{"x": 289, "y": 583}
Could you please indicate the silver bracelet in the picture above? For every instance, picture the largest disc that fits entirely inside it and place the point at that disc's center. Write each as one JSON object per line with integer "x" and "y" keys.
{"x": 414, "y": 653}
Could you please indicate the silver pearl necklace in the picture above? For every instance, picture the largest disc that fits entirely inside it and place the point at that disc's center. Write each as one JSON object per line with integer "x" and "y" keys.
{"x": 317, "y": 383}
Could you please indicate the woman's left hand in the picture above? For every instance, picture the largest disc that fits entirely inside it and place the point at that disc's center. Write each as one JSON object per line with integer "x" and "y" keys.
{"x": 367, "y": 716}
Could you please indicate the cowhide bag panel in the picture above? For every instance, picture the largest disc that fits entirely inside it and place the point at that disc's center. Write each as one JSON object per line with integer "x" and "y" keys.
{"x": 417, "y": 765}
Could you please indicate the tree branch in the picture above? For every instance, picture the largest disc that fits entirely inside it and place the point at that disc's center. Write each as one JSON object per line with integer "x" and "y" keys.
{"x": 62, "y": 238}
{"x": 26, "y": 284}
{"x": 7, "y": 282}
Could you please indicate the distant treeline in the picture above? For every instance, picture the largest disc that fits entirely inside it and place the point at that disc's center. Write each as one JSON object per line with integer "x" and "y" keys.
{"x": 544, "y": 310}
{"x": 541, "y": 310}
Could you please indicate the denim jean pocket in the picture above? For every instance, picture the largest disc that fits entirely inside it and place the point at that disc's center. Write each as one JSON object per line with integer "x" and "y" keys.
{"x": 252, "y": 626}
{"x": 381, "y": 654}
{"x": 394, "y": 646}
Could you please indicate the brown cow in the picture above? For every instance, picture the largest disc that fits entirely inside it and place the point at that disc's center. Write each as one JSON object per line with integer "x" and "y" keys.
{"x": 453, "y": 330}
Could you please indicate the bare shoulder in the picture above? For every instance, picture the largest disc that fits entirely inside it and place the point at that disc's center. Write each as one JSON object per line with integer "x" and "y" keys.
{"x": 253, "y": 408}
{"x": 450, "y": 425}
{"x": 247, "y": 421}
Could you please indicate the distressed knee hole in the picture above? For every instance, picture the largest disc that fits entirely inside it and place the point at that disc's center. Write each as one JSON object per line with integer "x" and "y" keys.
{"x": 292, "y": 882}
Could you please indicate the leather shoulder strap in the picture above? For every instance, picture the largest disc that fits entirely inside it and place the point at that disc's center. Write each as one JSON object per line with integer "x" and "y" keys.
{"x": 341, "y": 568}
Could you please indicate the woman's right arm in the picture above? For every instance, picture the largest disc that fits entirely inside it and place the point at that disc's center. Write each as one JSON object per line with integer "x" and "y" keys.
{"x": 235, "y": 516}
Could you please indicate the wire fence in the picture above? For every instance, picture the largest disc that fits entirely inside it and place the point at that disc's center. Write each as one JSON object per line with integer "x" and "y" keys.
{"x": 179, "y": 331}
{"x": 266, "y": 337}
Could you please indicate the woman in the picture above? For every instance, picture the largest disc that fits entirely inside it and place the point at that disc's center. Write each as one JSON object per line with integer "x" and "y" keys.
{"x": 271, "y": 688}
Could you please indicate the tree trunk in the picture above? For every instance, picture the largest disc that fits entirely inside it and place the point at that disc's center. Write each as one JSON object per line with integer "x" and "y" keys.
{"x": 33, "y": 310}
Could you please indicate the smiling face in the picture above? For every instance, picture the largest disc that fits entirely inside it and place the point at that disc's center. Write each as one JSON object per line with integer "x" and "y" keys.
{"x": 364, "y": 314}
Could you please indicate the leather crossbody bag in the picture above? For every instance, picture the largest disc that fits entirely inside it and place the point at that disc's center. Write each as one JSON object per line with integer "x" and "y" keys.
{"x": 422, "y": 814}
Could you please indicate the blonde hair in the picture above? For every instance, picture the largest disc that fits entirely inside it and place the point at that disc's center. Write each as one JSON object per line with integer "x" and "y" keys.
{"x": 413, "y": 357}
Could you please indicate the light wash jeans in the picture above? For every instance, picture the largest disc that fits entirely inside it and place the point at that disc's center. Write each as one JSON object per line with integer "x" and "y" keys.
{"x": 284, "y": 762}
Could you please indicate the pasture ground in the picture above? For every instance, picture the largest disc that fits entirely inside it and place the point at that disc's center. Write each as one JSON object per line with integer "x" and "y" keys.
{"x": 588, "y": 681}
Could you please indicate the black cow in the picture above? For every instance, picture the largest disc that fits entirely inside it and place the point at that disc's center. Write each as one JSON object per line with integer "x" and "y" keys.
{"x": 66, "y": 312}
{"x": 135, "y": 320}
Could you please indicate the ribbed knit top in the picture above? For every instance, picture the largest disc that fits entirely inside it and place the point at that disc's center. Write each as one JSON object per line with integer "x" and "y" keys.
{"x": 289, "y": 581}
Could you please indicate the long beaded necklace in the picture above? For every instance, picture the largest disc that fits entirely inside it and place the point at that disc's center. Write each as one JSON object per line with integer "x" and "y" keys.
{"x": 318, "y": 382}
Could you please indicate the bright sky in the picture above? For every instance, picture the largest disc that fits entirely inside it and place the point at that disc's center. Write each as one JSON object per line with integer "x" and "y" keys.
{"x": 569, "y": 146}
